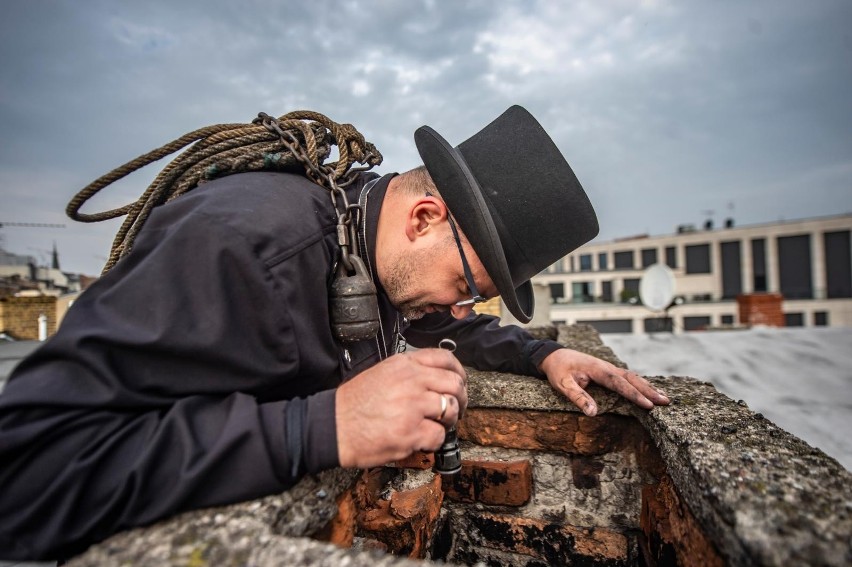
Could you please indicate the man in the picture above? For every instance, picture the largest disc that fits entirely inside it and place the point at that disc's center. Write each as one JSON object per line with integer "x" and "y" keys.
{"x": 202, "y": 369}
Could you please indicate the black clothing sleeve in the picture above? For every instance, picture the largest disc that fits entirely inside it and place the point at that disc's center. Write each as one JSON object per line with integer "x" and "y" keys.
{"x": 177, "y": 381}
{"x": 483, "y": 343}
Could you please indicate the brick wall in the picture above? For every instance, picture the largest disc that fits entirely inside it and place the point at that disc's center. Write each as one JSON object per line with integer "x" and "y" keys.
{"x": 761, "y": 309}
{"x": 535, "y": 488}
{"x": 545, "y": 486}
{"x": 19, "y": 315}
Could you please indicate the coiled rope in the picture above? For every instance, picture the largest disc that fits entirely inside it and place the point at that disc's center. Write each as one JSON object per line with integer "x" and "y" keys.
{"x": 297, "y": 142}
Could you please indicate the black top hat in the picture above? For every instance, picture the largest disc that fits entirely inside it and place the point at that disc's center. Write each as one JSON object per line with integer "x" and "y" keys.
{"x": 515, "y": 197}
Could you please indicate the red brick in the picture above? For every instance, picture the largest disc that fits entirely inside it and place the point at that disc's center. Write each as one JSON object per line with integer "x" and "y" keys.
{"x": 556, "y": 544}
{"x": 404, "y": 521}
{"x": 341, "y": 529}
{"x": 546, "y": 431}
{"x": 648, "y": 455}
{"x": 761, "y": 309}
{"x": 417, "y": 460}
{"x": 491, "y": 482}
{"x": 670, "y": 527}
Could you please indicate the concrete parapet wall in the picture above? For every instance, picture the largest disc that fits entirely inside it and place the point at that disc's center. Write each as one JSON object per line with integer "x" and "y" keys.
{"x": 704, "y": 481}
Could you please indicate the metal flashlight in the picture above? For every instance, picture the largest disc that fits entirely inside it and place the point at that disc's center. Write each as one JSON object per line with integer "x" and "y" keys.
{"x": 448, "y": 457}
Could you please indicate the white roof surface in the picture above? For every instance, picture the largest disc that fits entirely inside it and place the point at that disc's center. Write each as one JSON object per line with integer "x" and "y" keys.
{"x": 799, "y": 378}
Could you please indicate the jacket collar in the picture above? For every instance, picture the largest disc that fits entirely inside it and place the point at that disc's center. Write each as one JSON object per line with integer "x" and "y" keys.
{"x": 370, "y": 199}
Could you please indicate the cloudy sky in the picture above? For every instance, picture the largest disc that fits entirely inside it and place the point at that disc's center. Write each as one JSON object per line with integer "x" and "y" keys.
{"x": 669, "y": 112}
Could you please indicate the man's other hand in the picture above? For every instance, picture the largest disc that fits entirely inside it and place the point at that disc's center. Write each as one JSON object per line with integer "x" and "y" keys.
{"x": 570, "y": 372}
{"x": 393, "y": 409}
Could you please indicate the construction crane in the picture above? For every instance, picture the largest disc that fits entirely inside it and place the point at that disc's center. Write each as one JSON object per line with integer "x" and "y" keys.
{"x": 31, "y": 224}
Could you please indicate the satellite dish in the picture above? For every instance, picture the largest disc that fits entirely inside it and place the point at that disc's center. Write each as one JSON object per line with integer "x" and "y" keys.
{"x": 657, "y": 287}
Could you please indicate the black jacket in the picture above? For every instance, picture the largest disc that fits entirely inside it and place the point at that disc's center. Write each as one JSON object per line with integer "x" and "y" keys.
{"x": 201, "y": 369}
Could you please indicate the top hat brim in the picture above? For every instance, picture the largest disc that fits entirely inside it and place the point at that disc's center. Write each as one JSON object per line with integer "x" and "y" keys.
{"x": 461, "y": 191}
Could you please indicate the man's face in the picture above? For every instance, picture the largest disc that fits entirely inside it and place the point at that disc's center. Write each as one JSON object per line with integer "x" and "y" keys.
{"x": 428, "y": 279}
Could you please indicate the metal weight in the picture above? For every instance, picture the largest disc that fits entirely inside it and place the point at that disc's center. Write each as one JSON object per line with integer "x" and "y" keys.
{"x": 353, "y": 304}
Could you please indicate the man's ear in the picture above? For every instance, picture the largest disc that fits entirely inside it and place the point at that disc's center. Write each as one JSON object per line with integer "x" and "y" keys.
{"x": 423, "y": 215}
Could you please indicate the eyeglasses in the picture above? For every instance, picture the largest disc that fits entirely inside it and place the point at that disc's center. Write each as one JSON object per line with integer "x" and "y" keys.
{"x": 468, "y": 275}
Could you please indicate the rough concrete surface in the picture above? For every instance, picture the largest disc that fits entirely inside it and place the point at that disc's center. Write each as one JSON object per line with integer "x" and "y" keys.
{"x": 764, "y": 496}
{"x": 265, "y": 532}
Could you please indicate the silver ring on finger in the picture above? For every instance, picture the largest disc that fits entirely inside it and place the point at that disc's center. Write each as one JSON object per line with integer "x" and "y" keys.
{"x": 444, "y": 405}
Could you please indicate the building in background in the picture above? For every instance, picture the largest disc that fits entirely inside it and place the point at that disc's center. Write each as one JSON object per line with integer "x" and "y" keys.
{"x": 24, "y": 272}
{"x": 30, "y": 292}
{"x": 807, "y": 261}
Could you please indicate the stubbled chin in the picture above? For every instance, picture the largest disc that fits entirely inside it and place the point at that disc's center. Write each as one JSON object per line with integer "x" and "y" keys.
{"x": 414, "y": 312}
{"x": 411, "y": 311}
{"x": 417, "y": 311}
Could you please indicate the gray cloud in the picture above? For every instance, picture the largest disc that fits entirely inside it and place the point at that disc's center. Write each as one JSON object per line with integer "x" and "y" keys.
{"x": 664, "y": 109}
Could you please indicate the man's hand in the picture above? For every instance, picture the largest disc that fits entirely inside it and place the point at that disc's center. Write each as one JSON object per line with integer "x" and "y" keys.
{"x": 391, "y": 410}
{"x": 569, "y": 372}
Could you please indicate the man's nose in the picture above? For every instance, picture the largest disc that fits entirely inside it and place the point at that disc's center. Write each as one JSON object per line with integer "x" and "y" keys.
{"x": 460, "y": 311}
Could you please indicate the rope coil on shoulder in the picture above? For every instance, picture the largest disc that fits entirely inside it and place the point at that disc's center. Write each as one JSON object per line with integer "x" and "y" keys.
{"x": 297, "y": 142}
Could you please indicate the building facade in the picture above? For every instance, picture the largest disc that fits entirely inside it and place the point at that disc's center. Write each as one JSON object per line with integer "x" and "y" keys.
{"x": 29, "y": 292}
{"x": 807, "y": 261}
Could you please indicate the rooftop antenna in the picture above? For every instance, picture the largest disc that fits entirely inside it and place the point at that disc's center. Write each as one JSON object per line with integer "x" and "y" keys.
{"x": 708, "y": 223}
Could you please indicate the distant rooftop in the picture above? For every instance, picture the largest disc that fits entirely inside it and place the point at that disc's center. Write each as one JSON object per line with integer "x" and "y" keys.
{"x": 700, "y": 228}
{"x": 10, "y": 259}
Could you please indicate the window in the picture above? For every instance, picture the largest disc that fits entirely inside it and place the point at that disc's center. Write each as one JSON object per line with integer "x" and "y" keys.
{"x": 731, "y": 272}
{"x": 727, "y": 319}
{"x": 758, "y": 263}
{"x": 794, "y": 320}
{"x": 557, "y": 292}
{"x": 623, "y": 260}
{"x": 602, "y": 265}
{"x": 696, "y": 323}
{"x": 820, "y": 318}
{"x": 658, "y": 325}
{"x": 586, "y": 263}
{"x": 630, "y": 291}
{"x": 698, "y": 259}
{"x": 581, "y": 292}
{"x": 606, "y": 292}
{"x": 838, "y": 272}
{"x": 610, "y": 325}
{"x": 671, "y": 257}
{"x": 794, "y": 266}
{"x": 649, "y": 257}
